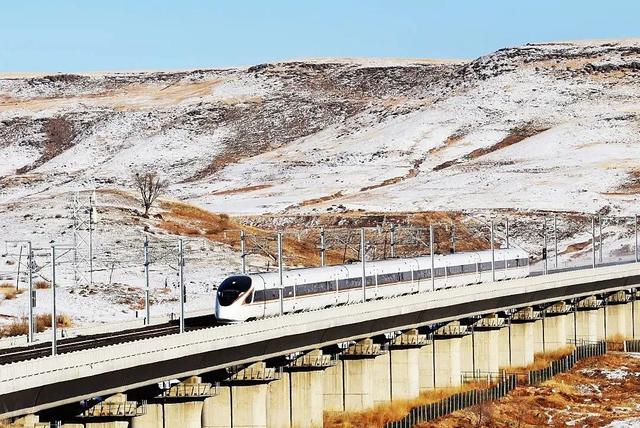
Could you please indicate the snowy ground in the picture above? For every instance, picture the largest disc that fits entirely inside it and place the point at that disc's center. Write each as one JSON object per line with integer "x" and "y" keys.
{"x": 550, "y": 127}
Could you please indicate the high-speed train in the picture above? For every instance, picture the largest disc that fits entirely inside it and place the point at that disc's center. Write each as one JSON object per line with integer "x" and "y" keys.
{"x": 257, "y": 295}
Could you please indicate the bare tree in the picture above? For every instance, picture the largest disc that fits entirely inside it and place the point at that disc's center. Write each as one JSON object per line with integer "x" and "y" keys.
{"x": 150, "y": 185}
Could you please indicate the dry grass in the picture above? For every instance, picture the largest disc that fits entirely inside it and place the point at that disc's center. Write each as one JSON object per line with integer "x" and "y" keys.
{"x": 42, "y": 285}
{"x": 583, "y": 396}
{"x": 9, "y": 291}
{"x": 43, "y": 321}
{"x": 381, "y": 414}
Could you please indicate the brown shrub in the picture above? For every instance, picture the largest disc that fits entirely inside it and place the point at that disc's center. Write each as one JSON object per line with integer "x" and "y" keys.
{"x": 16, "y": 328}
{"x": 43, "y": 321}
{"x": 42, "y": 285}
{"x": 9, "y": 291}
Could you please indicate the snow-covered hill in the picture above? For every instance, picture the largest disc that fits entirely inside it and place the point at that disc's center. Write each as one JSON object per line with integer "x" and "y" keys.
{"x": 538, "y": 127}
{"x": 550, "y": 126}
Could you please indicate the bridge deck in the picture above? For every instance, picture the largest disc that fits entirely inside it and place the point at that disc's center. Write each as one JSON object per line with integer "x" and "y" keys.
{"x": 27, "y": 386}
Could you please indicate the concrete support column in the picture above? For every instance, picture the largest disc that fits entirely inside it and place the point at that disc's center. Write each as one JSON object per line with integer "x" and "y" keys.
{"x": 504, "y": 346}
{"x": 359, "y": 382}
{"x": 111, "y": 424}
{"x": 587, "y": 325}
{"x": 333, "y": 388}
{"x": 278, "y": 403}
{"x": 555, "y": 331}
{"x": 618, "y": 321}
{"x": 522, "y": 348}
{"x": 487, "y": 350}
{"x": 249, "y": 406}
{"x": 187, "y": 414}
{"x": 306, "y": 389}
{"x": 359, "y": 378}
{"x": 635, "y": 319}
{"x": 184, "y": 402}
{"x": 467, "y": 353}
{"x": 539, "y": 339}
{"x": 425, "y": 367}
{"x": 447, "y": 362}
{"x": 382, "y": 376}
{"x": 216, "y": 411}
{"x": 601, "y": 323}
{"x": 404, "y": 359}
{"x": 153, "y": 417}
{"x": 242, "y": 401}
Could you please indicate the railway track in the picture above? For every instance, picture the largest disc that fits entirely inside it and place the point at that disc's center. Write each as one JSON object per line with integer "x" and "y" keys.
{"x": 12, "y": 355}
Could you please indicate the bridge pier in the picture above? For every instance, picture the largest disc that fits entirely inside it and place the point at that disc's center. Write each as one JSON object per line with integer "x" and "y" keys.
{"x": 635, "y": 314}
{"x": 589, "y": 324}
{"x": 486, "y": 344}
{"x": 554, "y": 323}
{"x": 358, "y": 370}
{"x": 32, "y": 421}
{"x": 404, "y": 364}
{"x": 306, "y": 390}
{"x": 242, "y": 402}
{"x": 382, "y": 379}
{"x": 504, "y": 345}
{"x": 153, "y": 417}
{"x": 447, "y": 358}
{"x": 618, "y": 316}
{"x": 522, "y": 338}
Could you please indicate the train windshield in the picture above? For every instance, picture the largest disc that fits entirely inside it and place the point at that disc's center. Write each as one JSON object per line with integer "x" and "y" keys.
{"x": 232, "y": 288}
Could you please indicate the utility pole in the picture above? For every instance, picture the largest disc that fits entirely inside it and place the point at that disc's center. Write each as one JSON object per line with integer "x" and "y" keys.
{"x": 243, "y": 255}
{"x": 393, "y": 241}
{"x": 635, "y": 228}
{"x": 433, "y": 272}
{"x": 555, "y": 238}
{"x": 363, "y": 257}
{"x": 91, "y": 240}
{"x": 32, "y": 296}
{"x": 593, "y": 240}
{"x": 600, "y": 238}
{"x": 493, "y": 256}
{"x": 453, "y": 238}
{"x": 322, "y": 248}
{"x": 54, "y": 324}
{"x": 506, "y": 231}
{"x": 183, "y": 294}
{"x": 544, "y": 246}
{"x": 280, "y": 272}
{"x": 147, "y": 303}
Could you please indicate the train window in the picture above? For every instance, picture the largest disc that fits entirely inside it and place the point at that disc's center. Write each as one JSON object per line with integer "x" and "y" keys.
{"x": 371, "y": 281}
{"x": 423, "y": 274}
{"x": 389, "y": 278}
{"x": 523, "y": 262}
{"x": 485, "y": 266}
{"x": 288, "y": 291}
{"x": 454, "y": 270}
{"x": 350, "y": 283}
{"x": 272, "y": 294}
{"x": 470, "y": 268}
{"x": 232, "y": 289}
{"x": 512, "y": 263}
{"x": 258, "y": 296}
{"x": 439, "y": 272}
{"x": 405, "y": 276}
{"x": 499, "y": 264}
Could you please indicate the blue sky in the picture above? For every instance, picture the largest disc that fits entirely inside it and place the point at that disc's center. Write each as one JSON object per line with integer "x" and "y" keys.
{"x": 86, "y": 35}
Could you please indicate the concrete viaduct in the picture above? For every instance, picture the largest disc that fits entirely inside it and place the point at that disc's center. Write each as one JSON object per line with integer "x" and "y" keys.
{"x": 286, "y": 371}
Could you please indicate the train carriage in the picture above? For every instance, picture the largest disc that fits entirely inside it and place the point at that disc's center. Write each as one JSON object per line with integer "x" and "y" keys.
{"x": 257, "y": 295}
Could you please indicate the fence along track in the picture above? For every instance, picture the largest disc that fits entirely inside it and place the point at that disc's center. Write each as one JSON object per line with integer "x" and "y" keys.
{"x": 509, "y": 381}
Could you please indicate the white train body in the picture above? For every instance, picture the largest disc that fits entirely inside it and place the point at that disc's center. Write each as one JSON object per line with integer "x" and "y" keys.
{"x": 257, "y": 295}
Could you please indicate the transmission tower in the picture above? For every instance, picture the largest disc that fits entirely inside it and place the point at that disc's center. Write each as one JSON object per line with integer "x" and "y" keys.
{"x": 83, "y": 218}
